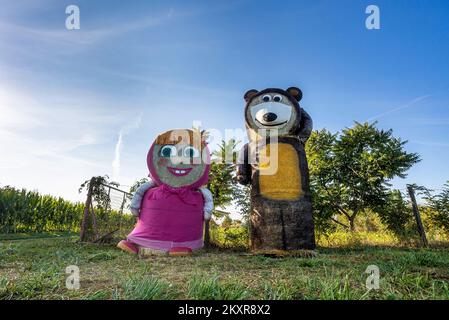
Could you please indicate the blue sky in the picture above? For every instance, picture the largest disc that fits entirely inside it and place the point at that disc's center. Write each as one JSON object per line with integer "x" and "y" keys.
{"x": 136, "y": 69}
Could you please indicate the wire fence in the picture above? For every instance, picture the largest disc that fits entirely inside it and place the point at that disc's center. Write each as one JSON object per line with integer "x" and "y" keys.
{"x": 119, "y": 200}
{"x": 103, "y": 223}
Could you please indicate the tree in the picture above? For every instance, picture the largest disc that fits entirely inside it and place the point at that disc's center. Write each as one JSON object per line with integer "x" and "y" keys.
{"x": 221, "y": 178}
{"x": 350, "y": 171}
{"x": 242, "y": 199}
{"x": 98, "y": 192}
{"x": 325, "y": 202}
{"x": 222, "y": 171}
{"x": 439, "y": 207}
{"x": 397, "y": 214}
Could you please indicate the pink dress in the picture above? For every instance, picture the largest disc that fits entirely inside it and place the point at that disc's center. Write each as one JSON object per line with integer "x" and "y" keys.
{"x": 170, "y": 217}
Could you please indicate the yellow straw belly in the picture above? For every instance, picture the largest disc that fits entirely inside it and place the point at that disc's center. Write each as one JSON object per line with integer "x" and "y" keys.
{"x": 285, "y": 182}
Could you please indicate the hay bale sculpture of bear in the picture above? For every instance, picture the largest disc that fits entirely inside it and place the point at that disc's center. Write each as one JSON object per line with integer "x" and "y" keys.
{"x": 281, "y": 208}
{"x": 172, "y": 207}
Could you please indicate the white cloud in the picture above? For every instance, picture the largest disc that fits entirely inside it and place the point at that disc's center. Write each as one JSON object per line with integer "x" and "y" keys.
{"x": 63, "y": 40}
{"x": 29, "y": 130}
{"x": 46, "y": 141}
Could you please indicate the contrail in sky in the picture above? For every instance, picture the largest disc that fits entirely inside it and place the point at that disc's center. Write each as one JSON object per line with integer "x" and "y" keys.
{"x": 126, "y": 129}
{"x": 405, "y": 106}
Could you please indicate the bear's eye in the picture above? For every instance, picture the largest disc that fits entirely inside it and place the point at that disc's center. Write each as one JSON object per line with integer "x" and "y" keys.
{"x": 277, "y": 98}
{"x": 191, "y": 152}
{"x": 168, "y": 151}
{"x": 266, "y": 98}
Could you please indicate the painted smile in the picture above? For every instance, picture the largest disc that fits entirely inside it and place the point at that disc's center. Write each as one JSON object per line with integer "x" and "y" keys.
{"x": 271, "y": 125}
{"x": 179, "y": 172}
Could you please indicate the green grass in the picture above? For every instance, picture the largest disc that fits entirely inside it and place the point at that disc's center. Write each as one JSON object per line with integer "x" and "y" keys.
{"x": 147, "y": 288}
{"x": 208, "y": 287}
{"x": 35, "y": 269}
{"x": 24, "y": 236}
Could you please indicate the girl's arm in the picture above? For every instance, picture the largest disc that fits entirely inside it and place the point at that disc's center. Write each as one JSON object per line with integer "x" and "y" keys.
{"x": 138, "y": 195}
{"x": 208, "y": 203}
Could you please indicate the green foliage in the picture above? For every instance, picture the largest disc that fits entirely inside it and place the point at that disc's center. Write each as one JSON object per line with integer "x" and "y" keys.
{"x": 222, "y": 172}
{"x": 397, "y": 214}
{"x": 343, "y": 239}
{"x": 439, "y": 207}
{"x": 350, "y": 171}
{"x": 230, "y": 234}
{"x": 99, "y": 190}
{"x": 30, "y": 212}
{"x": 222, "y": 181}
{"x": 243, "y": 201}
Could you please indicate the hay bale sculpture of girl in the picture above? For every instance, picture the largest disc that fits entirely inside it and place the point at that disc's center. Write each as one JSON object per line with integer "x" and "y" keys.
{"x": 172, "y": 207}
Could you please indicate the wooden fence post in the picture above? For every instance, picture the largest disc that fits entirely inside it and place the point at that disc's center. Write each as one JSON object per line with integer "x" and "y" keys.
{"x": 87, "y": 207}
{"x": 421, "y": 231}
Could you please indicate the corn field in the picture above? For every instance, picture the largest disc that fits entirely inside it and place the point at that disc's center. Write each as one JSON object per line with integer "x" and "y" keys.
{"x": 29, "y": 211}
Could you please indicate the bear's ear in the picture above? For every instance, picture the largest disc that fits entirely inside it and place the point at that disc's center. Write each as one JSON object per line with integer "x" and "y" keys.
{"x": 249, "y": 94}
{"x": 295, "y": 92}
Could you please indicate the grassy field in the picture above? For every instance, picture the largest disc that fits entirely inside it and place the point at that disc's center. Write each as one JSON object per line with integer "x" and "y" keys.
{"x": 35, "y": 269}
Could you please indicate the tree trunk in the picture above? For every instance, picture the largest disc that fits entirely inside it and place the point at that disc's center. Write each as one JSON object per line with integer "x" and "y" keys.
{"x": 206, "y": 234}
{"x": 84, "y": 223}
{"x": 352, "y": 223}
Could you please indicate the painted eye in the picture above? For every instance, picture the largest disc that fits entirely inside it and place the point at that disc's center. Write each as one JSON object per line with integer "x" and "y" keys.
{"x": 168, "y": 151}
{"x": 191, "y": 152}
{"x": 266, "y": 98}
{"x": 277, "y": 98}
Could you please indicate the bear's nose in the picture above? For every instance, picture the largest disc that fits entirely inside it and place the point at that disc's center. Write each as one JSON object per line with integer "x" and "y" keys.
{"x": 270, "y": 116}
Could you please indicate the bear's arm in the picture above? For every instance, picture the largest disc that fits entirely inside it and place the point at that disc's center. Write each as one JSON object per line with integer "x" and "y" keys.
{"x": 138, "y": 195}
{"x": 243, "y": 167}
{"x": 306, "y": 127}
